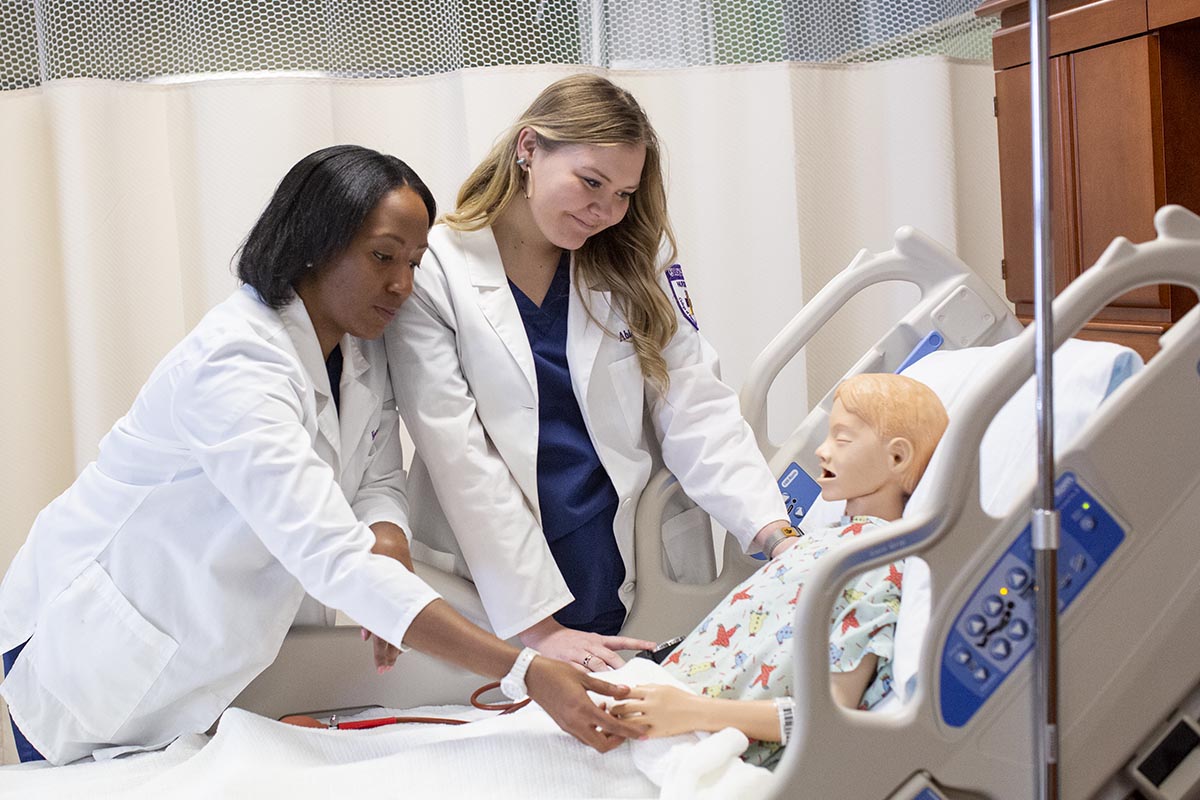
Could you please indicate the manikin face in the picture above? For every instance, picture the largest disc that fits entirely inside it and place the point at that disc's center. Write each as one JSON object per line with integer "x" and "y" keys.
{"x": 360, "y": 289}
{"x": 578, "y": 190}
{"x": 855, "y": 461}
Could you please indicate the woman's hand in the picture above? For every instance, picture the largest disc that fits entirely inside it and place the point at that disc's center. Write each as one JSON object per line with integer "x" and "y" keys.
{"x": 662, "y": 710}
{"x": 555, "y": 687}
{"x": 589, "y": 652}
{"x": 390, "y": 541}
{"x": 385, "y": 653}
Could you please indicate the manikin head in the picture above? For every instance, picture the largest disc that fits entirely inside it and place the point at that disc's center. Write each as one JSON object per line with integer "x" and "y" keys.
{"x": 883, "y": 429}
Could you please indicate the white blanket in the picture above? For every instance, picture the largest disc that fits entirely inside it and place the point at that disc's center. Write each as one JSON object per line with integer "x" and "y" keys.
{"x": 517, "y": 755}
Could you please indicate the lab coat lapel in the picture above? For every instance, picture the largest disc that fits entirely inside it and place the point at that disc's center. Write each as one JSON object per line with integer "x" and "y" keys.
{"x": 496, "y": 300}
{"x": 584, "y": 335}
{"x": 359, "y": 401}
{"x": 304, "y": 338}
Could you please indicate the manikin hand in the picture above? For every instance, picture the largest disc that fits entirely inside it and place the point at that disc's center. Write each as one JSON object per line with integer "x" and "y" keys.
{"x": 555, "y": 687}
{"x": 662, "y": 710}
{"x": 589, "y": 652}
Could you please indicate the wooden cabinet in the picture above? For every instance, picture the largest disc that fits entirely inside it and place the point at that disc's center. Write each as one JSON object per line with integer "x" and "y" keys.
{"x": 1125, "y": 140}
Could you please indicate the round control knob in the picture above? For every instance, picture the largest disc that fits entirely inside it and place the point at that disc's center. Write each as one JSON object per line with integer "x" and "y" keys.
{"x": 976, "y": 625}
{"x": 993, "y": 605}
{"x": 1000, "y": 649}
{"x": 1018, "y": 630}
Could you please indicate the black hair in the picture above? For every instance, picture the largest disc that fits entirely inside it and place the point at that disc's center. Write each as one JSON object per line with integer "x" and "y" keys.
{"x": 314, "y": 214}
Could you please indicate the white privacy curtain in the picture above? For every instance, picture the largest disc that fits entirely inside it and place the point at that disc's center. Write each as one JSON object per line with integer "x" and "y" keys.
{"x": 121, "y": 205}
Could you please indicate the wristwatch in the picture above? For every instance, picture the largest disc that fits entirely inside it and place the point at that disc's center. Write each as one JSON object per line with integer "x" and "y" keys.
{"x": 773, "y": 539}
{"x": 513, "y": 684}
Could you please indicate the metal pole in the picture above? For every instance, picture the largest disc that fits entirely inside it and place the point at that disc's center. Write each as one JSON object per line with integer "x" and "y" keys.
{"x": 1045, "y": 517}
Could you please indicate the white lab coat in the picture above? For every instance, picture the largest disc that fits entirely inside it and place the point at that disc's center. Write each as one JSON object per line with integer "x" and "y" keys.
{"x": 464, "y": 377}
{"x": 165, "y": 578}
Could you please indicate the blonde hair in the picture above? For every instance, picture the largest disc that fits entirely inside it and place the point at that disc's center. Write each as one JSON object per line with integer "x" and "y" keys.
{"x": 897, "y": 406}
{"x": 624, "y": 259}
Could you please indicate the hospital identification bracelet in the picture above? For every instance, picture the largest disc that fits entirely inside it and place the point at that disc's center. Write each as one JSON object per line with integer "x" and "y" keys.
{"x": 786, "y": 708}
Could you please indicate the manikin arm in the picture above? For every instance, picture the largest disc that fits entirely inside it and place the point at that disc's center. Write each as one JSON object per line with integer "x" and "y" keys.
{"x": 667, "y": 711}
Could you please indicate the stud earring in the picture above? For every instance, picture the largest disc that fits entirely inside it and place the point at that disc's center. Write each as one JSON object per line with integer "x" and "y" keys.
{"x": 521, "y": 162}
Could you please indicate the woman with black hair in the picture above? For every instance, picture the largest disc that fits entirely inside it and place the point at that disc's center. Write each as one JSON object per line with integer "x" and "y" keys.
{"x": 255, "y": 481}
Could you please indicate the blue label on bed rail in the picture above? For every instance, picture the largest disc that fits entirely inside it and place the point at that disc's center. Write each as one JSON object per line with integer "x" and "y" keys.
{"x": 995, "y": 629}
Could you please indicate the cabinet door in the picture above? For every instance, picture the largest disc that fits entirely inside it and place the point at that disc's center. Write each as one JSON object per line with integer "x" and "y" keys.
{"x": 1014, "y": 132}
{"x": 1118, "y": 151}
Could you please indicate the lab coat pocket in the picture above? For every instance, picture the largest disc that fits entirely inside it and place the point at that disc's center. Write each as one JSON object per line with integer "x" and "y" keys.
{"x": 628, "y": 385}
{"x": 96, "y": 654}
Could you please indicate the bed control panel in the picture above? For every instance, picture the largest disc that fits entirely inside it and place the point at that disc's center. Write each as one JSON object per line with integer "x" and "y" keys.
{"x": 995, "y": 629}
{"x": 919, "y": 787}
{"x": 799, "y": 490}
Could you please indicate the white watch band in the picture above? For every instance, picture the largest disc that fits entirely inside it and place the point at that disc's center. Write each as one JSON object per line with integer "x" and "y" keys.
{"x": 513, "y": 684}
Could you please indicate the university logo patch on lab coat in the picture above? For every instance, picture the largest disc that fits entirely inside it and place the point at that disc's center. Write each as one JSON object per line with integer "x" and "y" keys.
{"x": 682, "y": 298}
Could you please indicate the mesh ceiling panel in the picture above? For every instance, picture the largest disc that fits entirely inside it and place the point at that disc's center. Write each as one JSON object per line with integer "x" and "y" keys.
{"x": 43, "y": 40}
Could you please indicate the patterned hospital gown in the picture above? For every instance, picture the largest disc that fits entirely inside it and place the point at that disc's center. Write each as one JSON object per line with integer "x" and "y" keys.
{"x": 742, "y": 650}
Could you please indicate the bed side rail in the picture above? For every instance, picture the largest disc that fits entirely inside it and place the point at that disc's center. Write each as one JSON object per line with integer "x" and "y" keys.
{"x": 961, "y": 544}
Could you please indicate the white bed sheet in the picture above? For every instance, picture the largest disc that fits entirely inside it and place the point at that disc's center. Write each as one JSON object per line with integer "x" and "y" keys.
{"x": 519, "y": 755}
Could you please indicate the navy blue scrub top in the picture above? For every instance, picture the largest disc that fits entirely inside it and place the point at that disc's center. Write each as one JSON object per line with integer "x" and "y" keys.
{"x": 333, "y": 368}
{"x": 576, "y": 497}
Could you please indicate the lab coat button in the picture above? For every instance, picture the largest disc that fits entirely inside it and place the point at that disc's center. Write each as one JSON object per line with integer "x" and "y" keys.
{"x": 629, "y": 587}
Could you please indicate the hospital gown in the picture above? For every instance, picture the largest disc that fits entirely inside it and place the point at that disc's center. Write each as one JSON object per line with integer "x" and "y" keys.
{"x": 742, "y": 650}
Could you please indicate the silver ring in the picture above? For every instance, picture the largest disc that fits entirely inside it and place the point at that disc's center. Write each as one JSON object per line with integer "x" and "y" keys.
{"x": 586, "y": 659}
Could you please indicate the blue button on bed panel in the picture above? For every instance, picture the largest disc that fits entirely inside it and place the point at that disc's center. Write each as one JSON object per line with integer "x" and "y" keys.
{"x": 1005, "y": 601}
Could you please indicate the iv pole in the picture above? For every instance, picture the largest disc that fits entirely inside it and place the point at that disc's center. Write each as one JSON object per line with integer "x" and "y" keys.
{"x": 1045, "y": 517}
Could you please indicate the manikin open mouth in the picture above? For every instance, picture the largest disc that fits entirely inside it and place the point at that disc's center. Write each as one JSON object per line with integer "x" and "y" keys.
{"x": 825, "y": 473}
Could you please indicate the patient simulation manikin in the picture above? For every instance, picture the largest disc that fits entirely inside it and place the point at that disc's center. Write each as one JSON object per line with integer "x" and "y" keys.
{"x": 882, "y": 431}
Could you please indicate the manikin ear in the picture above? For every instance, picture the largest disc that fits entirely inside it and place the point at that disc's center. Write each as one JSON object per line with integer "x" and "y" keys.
{"x": 900, "y": 456}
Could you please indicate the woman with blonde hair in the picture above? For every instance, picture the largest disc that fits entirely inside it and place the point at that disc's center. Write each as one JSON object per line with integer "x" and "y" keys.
{"x": 549, "y": 353}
